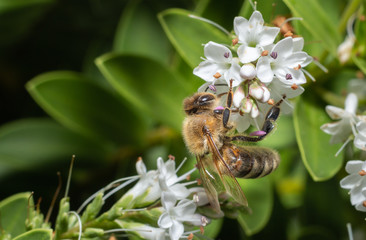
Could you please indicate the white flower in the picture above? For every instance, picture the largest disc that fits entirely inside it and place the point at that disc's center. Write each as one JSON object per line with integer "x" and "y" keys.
{"x": 360, "y": 138}
{"x": 219, "y": 63}
{"x": 356, "y": 182}
{"x": 358, "y": 87}
{"x": 345, "y": 48}
{"x": 175, "y": 215}
{"x": 253, "y": 36}
{"x": 142, "y": 230}
{"x": 248, "y": 71}
{"x": 168, "y": 179}
{"x": 341, "y": 129}
{"x": 283, "y": 61}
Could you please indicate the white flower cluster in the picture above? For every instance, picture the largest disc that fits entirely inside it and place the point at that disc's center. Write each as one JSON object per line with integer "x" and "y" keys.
{"x": 261, "y": 71}
{"x": 177, "y": 209}
{"x": 356, "y": 183}
{"x": 349, "y": 125}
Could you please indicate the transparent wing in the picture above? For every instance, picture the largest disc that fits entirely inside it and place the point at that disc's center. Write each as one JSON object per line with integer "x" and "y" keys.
{"x": 210, "y": 179}
{"x": 226, "y": 178}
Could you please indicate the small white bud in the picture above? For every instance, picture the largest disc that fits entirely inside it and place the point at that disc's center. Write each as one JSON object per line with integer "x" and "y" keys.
{"x": 248, "y": 71}
{"x": 256, "y": 91}
{"x": 238, "y": 96}
{"x": 246, "y": 105}
{"x": 266, "y": 94}
{"x": 255, "y": 112}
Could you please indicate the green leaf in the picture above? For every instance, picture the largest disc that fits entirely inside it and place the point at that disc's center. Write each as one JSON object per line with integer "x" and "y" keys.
{"x": 316, "y": 152}
{"x": 147, "y": 85}
{"x": 188, "y": 34}
{"x": 139, "y": 32}
{"x": 214, "y": 228}
{"x": 18, "y": 16}
{"x": 36, "y": 234}
{"x": 360, "y": 62}
{"x": 29, "y": 143}
{"x": 260, "y": 198}
{"x": 87, "y": 108}
{"x": 318, "y": 22}
{"x": 13, "y": 213}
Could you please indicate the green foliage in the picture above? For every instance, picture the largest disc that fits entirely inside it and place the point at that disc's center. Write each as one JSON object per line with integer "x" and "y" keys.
{"x": 36, "y": 234}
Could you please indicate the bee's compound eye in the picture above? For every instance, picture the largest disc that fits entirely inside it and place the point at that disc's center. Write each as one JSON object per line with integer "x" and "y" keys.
{"x": 204, "y": 99}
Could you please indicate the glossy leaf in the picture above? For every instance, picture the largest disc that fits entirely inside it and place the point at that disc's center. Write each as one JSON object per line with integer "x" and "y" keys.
{"x": 318, "y": 22}
{"x": 36, "y": 234}
{"x": 86, "y": 107}
{"x": 188, "y": 34}
{"x": 30, "y": 143}
{"x": 139, "y": 32}
{"x": 260, "y": 198}
{"x": 14, "y": 213}
{"x": 18, "y": 16}
{"x": 147, "y": 85}
{"x": 316, "y": 152}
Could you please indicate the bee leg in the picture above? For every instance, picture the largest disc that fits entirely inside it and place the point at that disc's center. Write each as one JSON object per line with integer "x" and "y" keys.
{"x": 267, "y": 127}
{"x": 227, "y": 111}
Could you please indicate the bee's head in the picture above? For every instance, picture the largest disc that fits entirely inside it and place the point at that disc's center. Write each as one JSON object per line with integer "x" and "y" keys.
{"x": 199, "y": 102}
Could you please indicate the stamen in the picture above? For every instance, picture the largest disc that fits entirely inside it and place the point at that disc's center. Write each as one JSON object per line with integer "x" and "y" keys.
{"x": 217, "y": 75}
{"x": 210, "y": 22}
{"x": 288, "y": 76}
{"x": 188, "y": 177}
{"x": 308, "y": 74}
{"x": 288, "y": 34}
{"x": 80, "y": 224}
{"x": 264, "y": 53}
{"x": 289, "y": 19}
{"x": 235, "y": 41}
{"x": 212, "y": 88}
{"x": 219, "y": 108}
{"x": 180, "y": 165}
{"x": 204, "y": 221}
{"x": 271, "y": 101}
{"x": 294, "y": 86}
{"x": 227, "y": 54}
{"x": 171, "y": 157}
{"x": 202, "y": 230}
{"x": 190, "y": 236}
{"x": 258, "y": 133}
{"x": 343, "y": 146}
{"x": 319, "y": 65}
{"x": 349, "y": 229}
{"x": 362, "y": 173}
{"x": 274, "y": 55}
{"x": 364, "y": 203}
{"x": 298, "y": 67}
{"x": 199, "y": 181}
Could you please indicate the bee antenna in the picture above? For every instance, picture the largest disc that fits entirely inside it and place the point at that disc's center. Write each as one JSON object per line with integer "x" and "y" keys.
{"x": 55, "y": 195}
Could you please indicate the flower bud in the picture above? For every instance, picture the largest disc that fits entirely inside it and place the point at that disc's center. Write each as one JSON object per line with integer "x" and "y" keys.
{"x": 248, "y": 71}
{"x": 246, "y": 105}
{"x": 238, "y": 96}
{"x": 266, "y": 94}
{"x": 255, "y": 111}
{"x": 256, "y": 91}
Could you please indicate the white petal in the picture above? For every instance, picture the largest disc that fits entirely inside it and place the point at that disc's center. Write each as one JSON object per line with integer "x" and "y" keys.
{"x": 176, "y": 230}
{"x": 140, "y": 167}
{"x": 248, "y": 71}
{"x": 248, "y": 54}
{"x": 233, "y": 74}
{"x": 206, "y": 70}
{"x": 350, "y": 105}
{"x": 335, "y": 112}
{"x": 296, "y": 59}
{"x": 361, "y": 207}
{"x": 283, "y": 48}
{"x": 298, "y": 43}
{"x": 180, "y": 191}
{"x": 356, "y": 195}
{"x": 256, "y": 20}
{"x": 350, "y": 181}
{"x": 168, "y": 200}
{"x": 240, "y": 28}
{"x": 165, "y": 221}
{"x": 354, "y": 166}
{"x": 267, "y": 35}
{"x": 264, "y": 71}
{"x": 216, "y": 53}
{"x": 360, "y": 142}
{"x": 242, "y": 122}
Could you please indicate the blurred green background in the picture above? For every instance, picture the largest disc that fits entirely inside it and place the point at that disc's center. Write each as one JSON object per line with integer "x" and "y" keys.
{"x": 105, "y": 79}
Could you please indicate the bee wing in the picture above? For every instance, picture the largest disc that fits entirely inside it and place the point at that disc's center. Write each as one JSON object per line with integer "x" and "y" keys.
{"x": 226, "y": 177}
{"x": 210, "y": 180}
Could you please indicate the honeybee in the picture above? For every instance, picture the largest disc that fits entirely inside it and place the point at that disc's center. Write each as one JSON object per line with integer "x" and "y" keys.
{"x": 219, "y": 160}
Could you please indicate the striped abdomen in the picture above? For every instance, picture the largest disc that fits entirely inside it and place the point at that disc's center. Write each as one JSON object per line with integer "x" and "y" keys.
{"x": 250, "y": 162}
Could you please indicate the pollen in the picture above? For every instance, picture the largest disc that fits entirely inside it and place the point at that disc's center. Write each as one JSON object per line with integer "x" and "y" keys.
{"x": 362, "y": 173}
{"x": 294, "y": 86}
{"x": 188, "y": 177}
{"x": 171, "y": 157}
{"x": 288, "y": 34}
{"x": 364, "y": 203}
{"x": 202, "y": 230}
{"x": 199, "y": 181}
{"x": 217, "y": 75}
{"x": 271, "y": 101}
{"x": 190, "y": 236}
{"x": 235, "y": 41}
{"x": 264, "y": 53}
